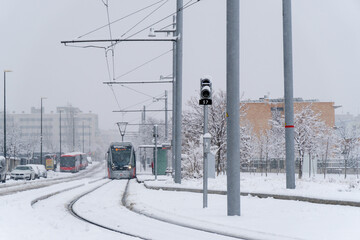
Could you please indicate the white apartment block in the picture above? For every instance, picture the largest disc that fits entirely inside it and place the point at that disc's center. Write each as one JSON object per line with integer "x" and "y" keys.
{"x": 78, "y": 129}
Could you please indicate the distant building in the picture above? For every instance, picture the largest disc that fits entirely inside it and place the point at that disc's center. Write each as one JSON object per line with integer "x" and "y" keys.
{"x": 350, "y": 122}
{"x": 259, "y": 112}
{"x": 78, "y": 129}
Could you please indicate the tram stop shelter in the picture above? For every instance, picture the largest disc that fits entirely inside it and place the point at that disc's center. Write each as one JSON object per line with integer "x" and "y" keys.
{"x": 162, "y": 157}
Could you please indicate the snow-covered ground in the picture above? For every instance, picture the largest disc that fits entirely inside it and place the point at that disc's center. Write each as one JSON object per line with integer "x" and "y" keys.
{"x": 260, "y": 218}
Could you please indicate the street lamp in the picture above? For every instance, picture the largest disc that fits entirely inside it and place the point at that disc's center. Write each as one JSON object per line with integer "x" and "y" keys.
{"x": 41, "y": 133}
{"x": 5, "y": 71}
{"x": 60, "y": 111}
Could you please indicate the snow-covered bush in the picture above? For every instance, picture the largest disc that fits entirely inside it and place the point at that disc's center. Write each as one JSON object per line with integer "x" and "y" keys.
{"x": 192, "y": 161}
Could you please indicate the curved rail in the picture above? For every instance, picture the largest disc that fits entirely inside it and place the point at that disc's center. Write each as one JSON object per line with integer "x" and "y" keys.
{"x": 71, "y": 210}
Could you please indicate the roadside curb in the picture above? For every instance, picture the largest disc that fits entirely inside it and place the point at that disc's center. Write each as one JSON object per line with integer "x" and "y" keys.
{"x": 261, "y": 195}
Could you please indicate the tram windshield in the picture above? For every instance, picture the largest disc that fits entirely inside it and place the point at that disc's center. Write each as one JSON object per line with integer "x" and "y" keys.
{"x": 120, "y": 156}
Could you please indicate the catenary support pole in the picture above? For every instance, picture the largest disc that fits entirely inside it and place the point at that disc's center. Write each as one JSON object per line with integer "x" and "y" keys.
{"x": 5, "y": 115}
{"x": 166, "y": 116}
{"x": 232, "y": 108}
{"x": 174, "y": 102}
{"x": 178, "y": 79}
{"x": 60, "y": 139}
{"x": 288, "y": 93}
{"x": 155, "y": 151}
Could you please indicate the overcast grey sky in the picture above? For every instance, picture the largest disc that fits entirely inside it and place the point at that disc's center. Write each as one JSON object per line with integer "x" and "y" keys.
{"x": 326, "y": 36}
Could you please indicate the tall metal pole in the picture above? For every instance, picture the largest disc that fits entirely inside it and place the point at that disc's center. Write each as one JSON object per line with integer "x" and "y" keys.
{"x": 155, "y": 149}
{"x": 178, "y": 84}
{"x": 232, "y": 108}
{"x": 83, "y": 137}
{"x": 288, "y": 93}
{"x": 174, "y": 103}
{"x": 73, "y": 132}
{"x": 5, "y": 71}
{"x": 166, "y": 116}
{"x": 60, "y": 135}
{"x": 41, "y": 129}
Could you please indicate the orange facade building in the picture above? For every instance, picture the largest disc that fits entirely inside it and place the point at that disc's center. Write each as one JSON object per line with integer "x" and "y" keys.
{"x": 259, "y": 112}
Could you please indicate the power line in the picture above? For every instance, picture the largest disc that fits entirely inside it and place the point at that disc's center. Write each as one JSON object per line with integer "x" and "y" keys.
{"x": 122, "y": 18}
{"x": 151, "y": 13}
{"x": 136, "y": 68}
{"x": 166, "y": 17}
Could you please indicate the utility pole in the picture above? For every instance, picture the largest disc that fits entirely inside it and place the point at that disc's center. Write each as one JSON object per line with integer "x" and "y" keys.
{"x": 5, "y": 71}
{"x": 60, "y": 135}
{"x": 41, "y": 128}
{"x": 166, "y": 116}
{"x": 232, "y": 107}
{"x": 174, "y": 102}
{"x": 83, "y": 137}
{"x": 288, "y": 93}
{"x": 178, "y": 87}
{"x": 156, "y": 150}
{"x": 165, "y": 98}
{"x": 73, "y": 118}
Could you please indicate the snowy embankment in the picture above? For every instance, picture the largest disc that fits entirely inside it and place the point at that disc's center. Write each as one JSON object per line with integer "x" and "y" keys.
{"x": 260, "y": 218}
{"x": 334, "y": 187}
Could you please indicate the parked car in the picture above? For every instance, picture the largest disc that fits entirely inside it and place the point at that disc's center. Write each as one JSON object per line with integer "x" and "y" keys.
{"x": 23, "y": 172}
{"x": 36, "y": 169}
{"x": 43, "y": 171}
{"x": 89, "y": 160}
{"x": 2, "y": 169}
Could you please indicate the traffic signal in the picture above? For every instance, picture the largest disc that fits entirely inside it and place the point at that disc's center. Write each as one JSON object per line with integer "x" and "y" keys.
{"x": 205, "y": 92}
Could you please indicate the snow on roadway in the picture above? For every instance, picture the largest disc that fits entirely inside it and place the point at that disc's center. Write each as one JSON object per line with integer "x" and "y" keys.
{"x": 104, "y": 207}
{"x": 48, "y": 219}
{"x": 280, "y": 217}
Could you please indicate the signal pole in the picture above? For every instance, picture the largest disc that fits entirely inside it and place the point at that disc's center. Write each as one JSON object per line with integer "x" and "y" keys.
{"x": 205, "y": 99}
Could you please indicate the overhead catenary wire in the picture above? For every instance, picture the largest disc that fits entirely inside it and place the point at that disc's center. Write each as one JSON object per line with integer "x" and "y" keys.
{"x": 122, "y": 18}
{"x": 117, "y": 101}
{"x": 187, "y": 5}
{"x": 143, "y": 19}
{"x": 147, "y": 62}
{"x": 112, "y": 49}
{"x": 136, "y": 91}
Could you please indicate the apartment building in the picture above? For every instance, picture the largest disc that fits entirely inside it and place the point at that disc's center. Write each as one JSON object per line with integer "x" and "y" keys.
{"x": 78, "y": 129}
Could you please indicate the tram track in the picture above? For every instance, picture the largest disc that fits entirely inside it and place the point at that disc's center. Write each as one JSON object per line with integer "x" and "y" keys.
{"x": 70, "y": 208}
{"x": 77, "y": 214}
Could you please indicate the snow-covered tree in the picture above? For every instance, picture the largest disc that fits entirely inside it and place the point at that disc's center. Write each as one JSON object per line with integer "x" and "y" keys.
{"x": 308, "y": 134}
{"x": 193, "y": 129}
{"x": 348, "y": 144}
{"x": 276, "y": 135}
{"x": 248, "y": 144}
